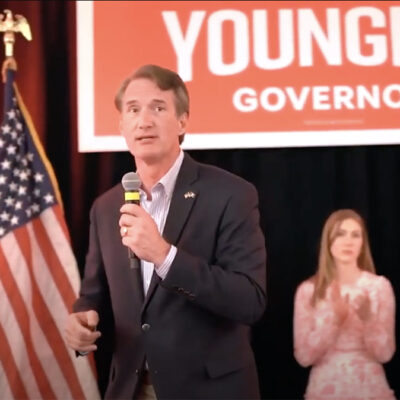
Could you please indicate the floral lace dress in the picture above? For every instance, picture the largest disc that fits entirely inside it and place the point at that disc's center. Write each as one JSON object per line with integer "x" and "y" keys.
{"x": 347, "y": 361}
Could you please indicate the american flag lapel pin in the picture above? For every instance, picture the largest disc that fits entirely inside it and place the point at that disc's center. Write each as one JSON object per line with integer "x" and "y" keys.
{"x": 189, "y": 195}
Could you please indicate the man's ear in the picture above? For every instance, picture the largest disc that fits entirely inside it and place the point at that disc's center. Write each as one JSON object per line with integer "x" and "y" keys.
{"x": 120, "y": 125}
{"x": 183, "y": 121}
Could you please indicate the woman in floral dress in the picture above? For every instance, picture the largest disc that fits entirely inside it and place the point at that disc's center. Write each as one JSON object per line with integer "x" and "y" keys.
{"x": 344, "y": 317}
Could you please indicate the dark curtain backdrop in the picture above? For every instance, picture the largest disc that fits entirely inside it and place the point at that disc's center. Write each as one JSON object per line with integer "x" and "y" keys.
{"x": 298, "y": 189}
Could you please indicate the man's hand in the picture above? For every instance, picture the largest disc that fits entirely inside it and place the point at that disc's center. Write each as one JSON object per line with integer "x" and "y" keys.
{"x": 80, "y": 331}
{"x": 140, "y": 233}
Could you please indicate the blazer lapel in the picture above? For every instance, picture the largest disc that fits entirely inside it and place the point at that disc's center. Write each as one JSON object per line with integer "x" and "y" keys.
{"x": 155, "y": 279}
{"x": 183, "y": 199}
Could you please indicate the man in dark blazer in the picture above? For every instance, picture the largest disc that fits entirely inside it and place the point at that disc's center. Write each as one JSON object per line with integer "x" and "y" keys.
{"x": 182, "y": 320}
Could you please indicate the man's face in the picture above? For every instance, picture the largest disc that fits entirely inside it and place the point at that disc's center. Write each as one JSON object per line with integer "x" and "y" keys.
{"x": 149, "y": 122}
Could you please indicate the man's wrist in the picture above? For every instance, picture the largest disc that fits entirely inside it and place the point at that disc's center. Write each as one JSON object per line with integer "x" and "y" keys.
{"x": 163, "y": 256}
{"x": 163, "y": 269}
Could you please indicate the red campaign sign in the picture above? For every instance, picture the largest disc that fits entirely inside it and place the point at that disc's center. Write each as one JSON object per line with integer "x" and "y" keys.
{"x": 259, "y": 74}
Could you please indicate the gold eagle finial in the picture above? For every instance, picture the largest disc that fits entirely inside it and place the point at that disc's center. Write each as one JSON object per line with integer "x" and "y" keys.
{"x": 10, "y": 27}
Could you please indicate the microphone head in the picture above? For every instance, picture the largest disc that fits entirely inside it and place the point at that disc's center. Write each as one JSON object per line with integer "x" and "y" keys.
{"x": 131, "y": 182}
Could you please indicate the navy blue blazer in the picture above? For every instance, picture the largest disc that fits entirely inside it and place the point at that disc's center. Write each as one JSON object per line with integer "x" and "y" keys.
{"x": 193, "y": 328}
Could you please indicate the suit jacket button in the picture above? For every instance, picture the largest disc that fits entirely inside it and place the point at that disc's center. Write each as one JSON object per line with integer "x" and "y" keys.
{"x": 145, "y": 327}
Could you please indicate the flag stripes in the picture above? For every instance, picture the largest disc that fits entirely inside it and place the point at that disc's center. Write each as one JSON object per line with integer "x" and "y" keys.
{"x": 59, "y": 262}
{"x": 37, "y": 301}
{"x": 10, "y": 371}
{"x": 19, "y": 308}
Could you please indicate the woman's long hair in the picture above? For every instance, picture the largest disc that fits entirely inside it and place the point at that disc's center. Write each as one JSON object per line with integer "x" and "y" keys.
{"x": 326, "y": 264}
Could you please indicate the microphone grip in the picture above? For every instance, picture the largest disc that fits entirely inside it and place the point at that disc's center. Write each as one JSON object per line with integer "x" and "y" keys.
{"x": 133, "y": 198}
{"x": 131, "y": 254}
{"x": 134, "y": 263}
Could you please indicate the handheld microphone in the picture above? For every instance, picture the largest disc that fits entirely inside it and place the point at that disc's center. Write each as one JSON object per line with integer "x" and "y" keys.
{"x": 131, "y": 183}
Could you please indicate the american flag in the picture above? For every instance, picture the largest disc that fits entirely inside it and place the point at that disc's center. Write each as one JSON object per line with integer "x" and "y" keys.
{"x": 39, "y": 278}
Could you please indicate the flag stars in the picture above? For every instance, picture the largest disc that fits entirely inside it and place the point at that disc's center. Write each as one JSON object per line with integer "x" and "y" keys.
{"x": 38, "y": 177}
{"x": 4, "y": 216}
{"x": 49, "y": 198}
{"x": 23, "y": 176}
{"x": 9, "y": 201}
{"x": 6, "y": 128}
{"x": 11, "y": 114}
{"x": 6, "y": 164}
{"x": 11, "y": 149}
{"x": 25, "y": 188}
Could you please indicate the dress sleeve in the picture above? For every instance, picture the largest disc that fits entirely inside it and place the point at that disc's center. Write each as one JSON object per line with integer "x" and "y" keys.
{"x": 315, "y": 328}
{"x": 379, "y": 330}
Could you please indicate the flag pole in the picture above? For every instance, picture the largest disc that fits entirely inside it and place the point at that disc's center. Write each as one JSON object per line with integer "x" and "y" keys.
{"x": 10, "y": 27}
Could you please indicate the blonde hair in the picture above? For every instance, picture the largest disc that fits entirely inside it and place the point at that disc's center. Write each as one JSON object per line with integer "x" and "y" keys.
{"x": 326, "y": 265}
